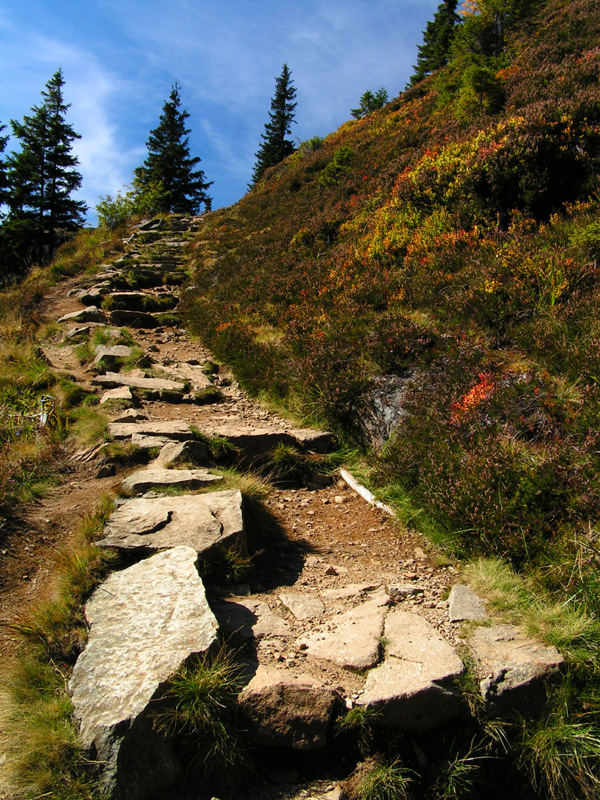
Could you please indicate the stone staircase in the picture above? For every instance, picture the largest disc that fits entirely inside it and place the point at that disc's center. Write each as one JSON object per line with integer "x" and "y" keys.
{"x": 327, "y": 635}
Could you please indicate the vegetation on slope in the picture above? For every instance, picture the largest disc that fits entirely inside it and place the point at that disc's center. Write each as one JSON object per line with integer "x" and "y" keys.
{"x": 451, "y": 239}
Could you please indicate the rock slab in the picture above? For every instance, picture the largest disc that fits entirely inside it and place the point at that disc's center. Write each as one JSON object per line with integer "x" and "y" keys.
{"x": 514, "y": 668}
{"x": 464, "y": 604}
{"x": 113, "y": 379}
{"x": 412, "y": 688}
{"x": 204, "y": 522}
{"x": 145, "y": 479}
{"x": 353, "y": 641}
{"x": 144, "y": 623}
{"x": 283, "y": 710}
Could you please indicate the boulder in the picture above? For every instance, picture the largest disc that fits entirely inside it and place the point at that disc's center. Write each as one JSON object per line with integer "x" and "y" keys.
{"x": 120, "y": 393}
{"x": 464, "y": 604}
{"x": 109, "y": 357}
{"x": 379, "y": 412}
{"x": 192, "y": 373}
{"x": 144, "y": 622}
{"x": 89, "y": 314}
{"x": 514, "y": 669}
{"x": 413, "y": 688}
{"x": 283, "y": 710}
{"x": 205, "y": 522}
{"x": 165, "y": 429}
{"x": 352, "y": 640}
{"x": 258, "y": 441}
{"x": 145, "y": 479}
{"x": 191, "y": 452}
{"x": 133, "y": 319}
{"x": 114, "y": 379}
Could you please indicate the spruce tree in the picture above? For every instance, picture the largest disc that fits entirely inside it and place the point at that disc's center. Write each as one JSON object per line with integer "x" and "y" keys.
{"x": 370, "y": 102}
{"x": 437, "y": 38}
{"x": 169, "y": 171}
{"x": 275, "y": 147}
{"x": 42, "y": 175}
{"x": 4, "y": 192}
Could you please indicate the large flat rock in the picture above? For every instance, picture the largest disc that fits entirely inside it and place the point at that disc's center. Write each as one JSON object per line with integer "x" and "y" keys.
{"x": 257, "y": 441}
{"x": 164, "y": 429}
{"x": 114, "y": 379}
{"x": 204, "y": 522}
{"x": 144, "y": 623}
{"x": 412, "y": 689}
{"x": 111, "y": 355}
{"x": 284, "y": 710}
{"x": 155, "y": 477}
{"x": 301, "y": 605}
{"x": 514, "y": 668}
{"x": 88, "y": 314}
{"x": 192, "y": 373}
{"x": 352, "y": 639}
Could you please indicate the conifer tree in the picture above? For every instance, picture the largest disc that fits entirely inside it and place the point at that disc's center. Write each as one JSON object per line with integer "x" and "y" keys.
{"x": 369, "y": 102}
{"x": 437, "y": 38}
{"x": 275, "y": 147}
{"x": 42, "y": 175}
{"x": 169, "y": 170}
{"x": 4, "y": 193}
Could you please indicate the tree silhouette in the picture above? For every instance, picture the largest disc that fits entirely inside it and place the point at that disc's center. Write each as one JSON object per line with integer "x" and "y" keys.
{"x": 169, "y": 170}
{"x": 275, "y": 147}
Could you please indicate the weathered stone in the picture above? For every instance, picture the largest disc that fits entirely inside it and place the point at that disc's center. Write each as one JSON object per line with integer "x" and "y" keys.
{"x": 514, "y": 668}
{"x": 302, "y": 606}
{"x": 283, "y": 710}
{"x": 401, "y": 590}
{"x": 353, "y": 641}
{"x": 146, "y": 442}
{"x": 250, "y": 619}
{"x": 114, "y": 379}
{"x": 166, "y": 429}
{"x": 205, "y": 522}
{"x": 120, "y": 393}
{"x": 412, "y": 689}
{"x": 130, "y": 415}
{"x": 192, "y": 373}
{"x": 95, "y": 293}
{"x": 379, "y": 412}
{"x": 89, "y": 314}
{"x": 317, "y": 441}
{"x": 145, "y": 621}
{"x": 352, "y": 590}
{"x": 133, "y": 319}
{"x": 191, "y": 452}
{"x": 146, "y": 479}
{"x": 110, "y": 356}
{"x": 464, "y": 604}
{"x": 258, "y": 441}
{"x": 75, "y": 332}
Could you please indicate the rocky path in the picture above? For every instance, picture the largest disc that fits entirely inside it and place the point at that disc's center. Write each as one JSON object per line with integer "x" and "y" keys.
{"x": 344, "y": 607}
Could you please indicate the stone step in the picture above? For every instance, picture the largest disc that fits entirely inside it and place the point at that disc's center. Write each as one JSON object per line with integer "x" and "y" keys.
{"x": 254, "y": 441}
{"x": 206, "y": 522}
{"x": 144, "y": 623}
{"x": 160, "y": 478}
{"x": 112, "y": 380}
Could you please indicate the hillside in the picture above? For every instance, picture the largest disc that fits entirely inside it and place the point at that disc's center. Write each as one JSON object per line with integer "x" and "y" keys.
{"x": 445, "y": 247}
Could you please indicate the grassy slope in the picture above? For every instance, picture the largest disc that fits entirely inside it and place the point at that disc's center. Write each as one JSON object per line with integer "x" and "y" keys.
{"x": 453, "y": 236}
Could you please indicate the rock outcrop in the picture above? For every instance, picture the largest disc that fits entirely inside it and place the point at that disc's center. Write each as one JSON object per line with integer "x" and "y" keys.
{"x": 144, "y": 623}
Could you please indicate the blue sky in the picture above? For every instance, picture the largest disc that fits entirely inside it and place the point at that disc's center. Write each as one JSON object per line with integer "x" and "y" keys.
{"x": 121, "y": 57}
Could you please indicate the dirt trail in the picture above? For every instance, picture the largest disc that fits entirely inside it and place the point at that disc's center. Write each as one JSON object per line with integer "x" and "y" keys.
{"x": 323, "y": 542}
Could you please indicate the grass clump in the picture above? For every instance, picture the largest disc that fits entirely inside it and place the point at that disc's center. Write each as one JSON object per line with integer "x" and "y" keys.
{"x": 569, "y": 628}
{"x": 88, "y": 425}
{"x": 226, "y": 566}
{"x": 44, "y": 755}
{"x": 378, "y": 779}
{"x": 198, "y": 707}
{"x": 561, "y": 757}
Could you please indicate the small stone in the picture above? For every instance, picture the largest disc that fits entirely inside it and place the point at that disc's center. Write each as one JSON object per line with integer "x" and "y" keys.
{"x": 464, "y": 604}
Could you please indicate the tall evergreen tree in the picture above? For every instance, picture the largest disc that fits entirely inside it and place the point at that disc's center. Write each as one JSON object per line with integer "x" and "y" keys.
{"x": 169, "y": 171}
{"x": 4, "y": 193}
{"x": 275, "y": 147}
{"x": 437, "y": 38}
{"x": 42, "y": 175}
